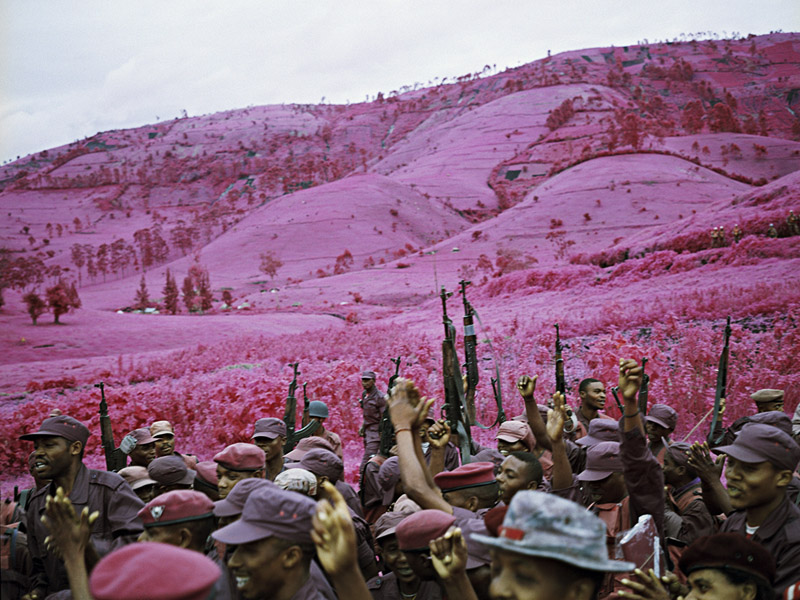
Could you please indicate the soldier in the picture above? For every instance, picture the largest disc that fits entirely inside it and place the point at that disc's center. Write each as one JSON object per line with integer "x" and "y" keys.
{"x": 765, "y": 400}
{"x": 373, "y": 403}
{"x": 660, "y": 422}
{"x": 165, "y": 442}
{"x": 140, "y": 482}
{"x": 236, "y": 462}
{"x": 519, "y": 471}
{"x": 721, "y": 236}
{"x": 325, "y": 465}
{"x": 389, "y": 481}
{"x": 714, "y": 238}
{"x": 273, "y": 546}
{"x": 318, "y": 411}
{"x": 768, "y": 400}
{"x": 592, "y": 393}
{"x": 206, "y": 479}
{"x": 516, "y": 436}
{"x": 144, "y": 452}
{"x": 305, "y": 446}
{"x": 270, "y": 435}
{"x": 759, "y": 467}
{"x": 737, "y": 233}
{"x": 772, "y": 232}
{"x": 793, "y": 221}
{"x": 59, "y": 445}
{"x": 170, "y": 473}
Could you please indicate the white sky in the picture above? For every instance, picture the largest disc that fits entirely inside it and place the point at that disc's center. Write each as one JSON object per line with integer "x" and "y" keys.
{"x": 71, "y": 68}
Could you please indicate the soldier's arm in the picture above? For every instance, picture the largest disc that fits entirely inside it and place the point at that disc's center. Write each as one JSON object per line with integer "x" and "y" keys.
{"x": 526, "y": 386}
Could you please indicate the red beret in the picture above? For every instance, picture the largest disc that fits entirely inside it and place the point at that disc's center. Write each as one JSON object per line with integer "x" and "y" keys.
{"x": 416, "y": 531}
{"x": 154, "y": 571}
{"x": 207, "y": 471}
{"x": 729, "y": 550}
{"x": 466, "y": 476}
{"x": 177, "y": 506}
{"x": 241, "y": 457}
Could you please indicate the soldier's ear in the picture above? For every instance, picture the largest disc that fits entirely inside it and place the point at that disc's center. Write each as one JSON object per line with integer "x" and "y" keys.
{"x": 783, "y": 478}
{"x": 185, "y": 538}
{"x": 76, "y": 448}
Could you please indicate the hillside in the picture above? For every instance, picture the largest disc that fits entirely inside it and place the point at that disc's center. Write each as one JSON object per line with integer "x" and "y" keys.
{"x": 580, "y": 188}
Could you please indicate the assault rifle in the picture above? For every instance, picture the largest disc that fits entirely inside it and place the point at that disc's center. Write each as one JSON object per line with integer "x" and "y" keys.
{"x": 454, "y": 407}
{"x": 643, "y": 390}
{"x": 470, "y": 352}
{"x": 304, "y": 420}
{"x": 561, "y": 385}
{"x": 115, "y": 458}
{"x": 386, "y": 428}
{"x": 715, "y": 439}
{"x": 614, "y": 391}
{"x": 290, "y": 416}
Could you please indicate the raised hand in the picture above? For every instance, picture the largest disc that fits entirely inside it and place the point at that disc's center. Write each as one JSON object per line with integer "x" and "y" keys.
{"x": 333, "y": 533}
{"x": 556, "y": 417}
{"x": 700, "y": 460}
{"x": 630, "y": 378}
{"x": 449, "y": 554}
{"x": 646, "y": 587}
{"x": 68, "y": 533}
{"x": 439, "y": 434}
{"x": 406, "y": 408}
{"x": 526, "y": 386}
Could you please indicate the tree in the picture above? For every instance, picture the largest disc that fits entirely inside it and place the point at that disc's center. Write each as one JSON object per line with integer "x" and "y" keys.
{"x": 269, "y": 263}
{"x": 36, "y": 306}
{"x": 62, "y": 299}
{"x": 142, "y": 296}
{"x": 204, "y": 292}
{"x": 188, "y": 293}
{"x": 170, "y": 292}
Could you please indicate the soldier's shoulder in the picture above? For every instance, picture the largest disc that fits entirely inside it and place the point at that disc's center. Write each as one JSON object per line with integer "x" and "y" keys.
{"x": 107, "y": 479}
{"x": 379, "y": 582}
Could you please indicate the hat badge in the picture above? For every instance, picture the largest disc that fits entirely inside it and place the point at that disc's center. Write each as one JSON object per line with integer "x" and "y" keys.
{"x": 156, "y": 511}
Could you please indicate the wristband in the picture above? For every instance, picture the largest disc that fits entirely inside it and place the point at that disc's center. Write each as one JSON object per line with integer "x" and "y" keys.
{"x": 631, "y": 416}
{"x": 399, "y": 429}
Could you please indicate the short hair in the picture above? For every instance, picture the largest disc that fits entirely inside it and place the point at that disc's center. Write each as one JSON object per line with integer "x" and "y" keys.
{"x": 201, "y": 529}
{"x": 487, "y": 494}
{"x": 585, "y": 383}
{"x": 736, "y": 577}
{"x": 532, "y": 463}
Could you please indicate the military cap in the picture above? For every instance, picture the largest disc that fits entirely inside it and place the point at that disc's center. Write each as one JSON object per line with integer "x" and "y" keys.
{"x": 142, "y": 436}
{"x": 161, "y": 428}
{"x": 270, "y": 511}
{"x": 663, "y": 415}
{"x": 177, "y": 506}
{"x": 233, "y": 504}
{"x": 493, "y": 519}
{"x": 136, "y": 477}
{"x": 757, "y": 443}
{"x": 415, "y": 532}
{"x": 601, "y": 461}
{"x": 774, "y": 418}
{"x": 732, "y": 550}
{"x": 516, "y": 431}
{"x": 306, "y": 445}
{"x": 466, "y": 476}
{"x": 767, "y": 396}
{"x": 63, "y": 426}
{"x": 387, "y": 523}
{"x": 270, "y": 428}
{"x": 600, "y": 430}
{"x": 406, "y": 505}
{"x": 323, "y": 463}
{"x": 207, "y": 472}
{"x": 297, "y": 480}
{"x": 679, "y": 451}
{"x": 170, "y": 470}
{"x": 547, "y": 526}
{"x": 177, "y": 574}
{"x": 388, "y": 476}
{"x": 241, "y": 457}
{"x": 318, "y": 409}
{"x": 491, "y": 455}
{"x": 367, "y": 374}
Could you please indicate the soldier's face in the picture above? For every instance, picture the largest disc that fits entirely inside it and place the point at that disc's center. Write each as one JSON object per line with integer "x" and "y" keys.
{"x": 165, "y": 444}
{"x": 514, "y": 476}
{"x": 396, "y": 560}
{"x": 594, "y": 396}
{"x": 53, "y": 456}
{"x": 258, "y": 567}
{"x": 753, "y": 485}
{"x": 520, "y": 577}
{"x": 271, "y": 447}
{"x": 655, "y": 431}
{"x": 505, "y": 447}
{"x": 143, "y": 454}
{"x": 777, "y": 406}
{"x": 227, "y": 478}
{"x": 368, "y": 384}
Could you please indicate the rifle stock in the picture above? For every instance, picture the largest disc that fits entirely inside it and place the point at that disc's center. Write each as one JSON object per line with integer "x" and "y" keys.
{"x": 720, "y": 392}
{"x": 561, "y": 384}
{"x": 386, "y": 428}
{"x": 115, "y": 458}
{"x": 470, "y": 353}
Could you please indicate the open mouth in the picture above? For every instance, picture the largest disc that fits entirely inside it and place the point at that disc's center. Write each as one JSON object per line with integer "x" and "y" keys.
{"x": 241, "y": 581}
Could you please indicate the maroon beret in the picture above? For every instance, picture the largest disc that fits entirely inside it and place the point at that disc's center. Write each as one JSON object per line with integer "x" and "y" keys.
{"x": 323, "y": 463}
{"x": 269, "y": 427}
{"x": 241, "y": 457}
{"x": 732, "y": 550}
{"x": 601, "y": 461}
{"x": 757, "y": 443}
{"x": 663, "y": 415}
{"x": 233, "y": 503}
{"x": 270, "y": 511}
{"x": 207, "y": 472}
{"x": 174, "y": 574}
{"x": 493, "y": 519}
{"x": 466, "y": 476}
{"x": 142, "y": 436}
{"x": 417, "y": 530}
{"x": 516, "y": 431}
{"x": 63, "y": 426}
{"x": 307, "y": 444}
{"x": 170, "y": 470}
{"x": 177, "y": 506}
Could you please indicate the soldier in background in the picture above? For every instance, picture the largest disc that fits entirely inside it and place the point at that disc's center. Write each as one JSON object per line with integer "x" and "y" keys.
{"x": 165, "y": 442}
{"x": 144, "y": 452}
{"x": 772, "y": 232}
{"x": 737, "y": 233}
{"x": 318, "y": 411}
{"x": 793, "y": 221}
{"x": 373, "y": 403}
{"x": 269, "y": 434}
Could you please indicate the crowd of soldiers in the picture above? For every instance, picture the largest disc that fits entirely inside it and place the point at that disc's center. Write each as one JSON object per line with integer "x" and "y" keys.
{"x": 566, "y": 505}
{"x": 718, "y": 239}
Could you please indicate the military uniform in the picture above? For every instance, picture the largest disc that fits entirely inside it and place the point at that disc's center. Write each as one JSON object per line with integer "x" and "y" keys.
{"x": 385, "y": 587}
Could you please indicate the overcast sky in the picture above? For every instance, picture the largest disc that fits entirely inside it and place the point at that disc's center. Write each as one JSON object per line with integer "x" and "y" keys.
{"x": 69, "y": 69}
